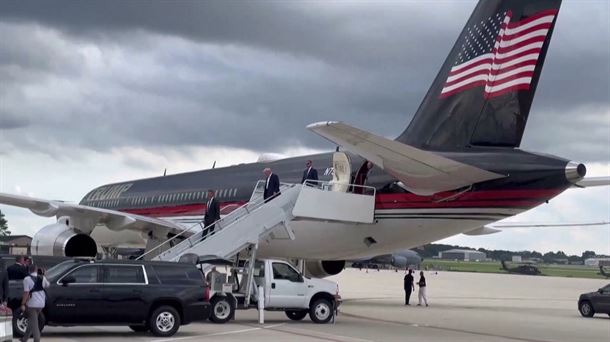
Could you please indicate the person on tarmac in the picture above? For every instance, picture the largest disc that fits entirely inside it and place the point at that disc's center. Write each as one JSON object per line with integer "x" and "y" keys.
{"x": 408, "y": 286}
{"x": 422, "y": 289}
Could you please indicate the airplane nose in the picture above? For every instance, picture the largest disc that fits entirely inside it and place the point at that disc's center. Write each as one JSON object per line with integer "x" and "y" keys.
{"x": 575, "y": 171}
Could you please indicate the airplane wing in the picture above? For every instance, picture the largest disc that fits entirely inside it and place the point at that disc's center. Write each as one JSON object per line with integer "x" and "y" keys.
{"x": 498, "y": 227}
{"x": 539, "y": 225}
{"x": 86, "y": 218}
{"x": 422, "y": 172}
{"x": 593, "y": 181}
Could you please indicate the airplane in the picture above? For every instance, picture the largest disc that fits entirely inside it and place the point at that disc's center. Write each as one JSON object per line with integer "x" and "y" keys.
{"x": 400, "y": 260}
{"x": 456, "y": 168}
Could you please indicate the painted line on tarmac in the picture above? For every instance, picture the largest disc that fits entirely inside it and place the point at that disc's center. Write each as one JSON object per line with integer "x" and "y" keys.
{"x": 471, "y": 332}
{"x": 320, "y": 335}
{"x": 270, "y": 327}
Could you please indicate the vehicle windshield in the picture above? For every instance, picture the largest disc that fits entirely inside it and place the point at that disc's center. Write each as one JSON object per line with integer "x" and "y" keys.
{"x": 54, "y": 272}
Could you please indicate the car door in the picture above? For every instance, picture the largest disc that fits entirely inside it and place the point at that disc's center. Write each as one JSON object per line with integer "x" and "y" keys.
{"x": 124, "y": 287}
{"x": 80, "y": 300}
{"x": 603, "y": 300}
{"x": 287, "y": 287}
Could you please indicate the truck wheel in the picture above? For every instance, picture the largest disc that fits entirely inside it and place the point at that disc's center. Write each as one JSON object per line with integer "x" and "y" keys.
{"x": 586, "y": 309}
{"x": 164, "y": 321}
{"x": 321, "y": 311}
{"x": 20, "y": 323}
{"x": 222, "y": 310}
{"x": 296, "y": 315}
{"x": 139, "y": 328}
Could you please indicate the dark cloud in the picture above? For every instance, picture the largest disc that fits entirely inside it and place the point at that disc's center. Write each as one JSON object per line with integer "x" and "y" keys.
{"x": 99, "y": 75}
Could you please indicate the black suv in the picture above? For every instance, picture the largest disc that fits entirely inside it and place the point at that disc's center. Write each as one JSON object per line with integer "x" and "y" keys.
{"x": 155, "y": 296}
{"x": 595, "y": 302}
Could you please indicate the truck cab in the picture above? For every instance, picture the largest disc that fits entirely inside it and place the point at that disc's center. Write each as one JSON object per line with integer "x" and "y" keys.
{"x": 285, "y": 289}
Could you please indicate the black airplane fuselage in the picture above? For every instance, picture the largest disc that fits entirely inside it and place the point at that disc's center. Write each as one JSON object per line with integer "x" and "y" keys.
{"x": 530, "y": 179}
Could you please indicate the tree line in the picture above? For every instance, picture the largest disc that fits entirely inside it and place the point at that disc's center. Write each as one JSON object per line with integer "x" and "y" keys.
{"x": 433, "y": 250}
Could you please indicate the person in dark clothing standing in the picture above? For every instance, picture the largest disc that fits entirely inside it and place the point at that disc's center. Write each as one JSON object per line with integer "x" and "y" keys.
{"x": 212, "y": 212}
{"x": 310, "y": 172}
{"x": 422, "y": 289}
{"x": 409, "y": 286}
{"x": 19, "y": 270}
{"x": 4, "y": 280}
{"x": 272, "y": 185}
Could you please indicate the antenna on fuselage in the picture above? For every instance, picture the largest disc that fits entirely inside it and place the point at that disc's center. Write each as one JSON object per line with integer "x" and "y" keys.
{"x": 214, "y": 165}
{"x": 164, "y": 172}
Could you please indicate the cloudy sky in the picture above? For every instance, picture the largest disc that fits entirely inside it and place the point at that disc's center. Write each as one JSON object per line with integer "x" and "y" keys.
{"x": 95, "y": 92}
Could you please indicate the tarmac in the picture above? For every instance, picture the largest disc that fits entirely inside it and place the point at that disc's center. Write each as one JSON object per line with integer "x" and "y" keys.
{"x": 463, "y": 307}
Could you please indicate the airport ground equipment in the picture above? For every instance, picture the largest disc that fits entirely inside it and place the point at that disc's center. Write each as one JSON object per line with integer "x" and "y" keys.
{"x": 236, "y": 237}
{"x": 283, "y": 289}
{"x": 259, "y": 219}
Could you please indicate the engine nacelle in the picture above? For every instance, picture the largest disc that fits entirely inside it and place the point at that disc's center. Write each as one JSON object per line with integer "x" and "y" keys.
{"x": 399, "y": 261}
{"x": 58, "y": 239}
{"x": 324, "y": 268}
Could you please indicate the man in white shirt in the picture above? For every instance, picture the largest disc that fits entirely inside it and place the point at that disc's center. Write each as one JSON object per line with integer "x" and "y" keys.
{"x": 33, "y": 300}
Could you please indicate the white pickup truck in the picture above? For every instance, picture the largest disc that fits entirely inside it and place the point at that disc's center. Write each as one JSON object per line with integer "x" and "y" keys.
{"x": 285, "y": 289}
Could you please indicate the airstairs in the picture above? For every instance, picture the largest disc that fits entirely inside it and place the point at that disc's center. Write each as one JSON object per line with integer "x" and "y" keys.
{"x": 258, "y": 219}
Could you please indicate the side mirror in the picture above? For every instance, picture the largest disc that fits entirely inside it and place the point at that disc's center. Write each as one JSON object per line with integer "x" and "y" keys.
{"x": 300, "y": 278}
{"x": 67, "y": 280}
{"x": 600, "y": 290}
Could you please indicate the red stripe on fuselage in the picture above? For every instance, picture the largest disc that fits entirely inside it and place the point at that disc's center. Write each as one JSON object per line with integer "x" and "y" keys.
{"x": 476, "y": 199}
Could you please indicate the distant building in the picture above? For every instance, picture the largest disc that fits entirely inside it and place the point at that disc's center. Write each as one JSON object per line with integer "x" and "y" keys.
{"x": 517, "y": 258}
{"x": 463, "y": 254}
{"x": 596, "y": 261}
{"x": 15, "y": 244}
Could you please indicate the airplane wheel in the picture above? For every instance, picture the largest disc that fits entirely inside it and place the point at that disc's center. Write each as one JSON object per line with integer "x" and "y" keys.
{"x": 296, "y": 315}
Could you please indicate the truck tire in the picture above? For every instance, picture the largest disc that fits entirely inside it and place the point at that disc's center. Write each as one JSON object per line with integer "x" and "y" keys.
{"x": 222, "y": 309}
{"x": 296, "y": 315}
{"x": 20, "y": 323}
{"x": 321, "y": 311}
{"x": 164, "y": 321}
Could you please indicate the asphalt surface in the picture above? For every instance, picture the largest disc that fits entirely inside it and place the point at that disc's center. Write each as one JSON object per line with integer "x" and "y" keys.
{"x": 463, "y": 307}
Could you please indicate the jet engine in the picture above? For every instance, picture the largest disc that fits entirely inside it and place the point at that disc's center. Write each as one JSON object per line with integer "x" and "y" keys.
{"x": 399, "y": 261}
{"x": 59, "y": 239}
{"x": 324, "y": 268}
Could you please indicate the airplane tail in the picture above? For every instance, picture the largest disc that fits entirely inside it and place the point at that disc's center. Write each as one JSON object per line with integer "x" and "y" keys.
{"x": 484, "y": 90}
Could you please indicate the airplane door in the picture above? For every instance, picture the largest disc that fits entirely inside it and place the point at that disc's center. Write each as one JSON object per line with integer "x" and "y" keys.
{"x": 342, "y": 169}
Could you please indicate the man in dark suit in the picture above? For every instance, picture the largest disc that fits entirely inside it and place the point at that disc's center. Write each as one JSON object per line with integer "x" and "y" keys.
{"x": 310, "y": 172}
{"x": 272, "y": 185}
{"x": 409, "y": 287}
{"x": 212, "y": 212}
{"x": 19, "y": 270}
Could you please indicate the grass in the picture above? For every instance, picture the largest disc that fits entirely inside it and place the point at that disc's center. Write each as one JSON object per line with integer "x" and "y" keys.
{"x": 571, "y": 271}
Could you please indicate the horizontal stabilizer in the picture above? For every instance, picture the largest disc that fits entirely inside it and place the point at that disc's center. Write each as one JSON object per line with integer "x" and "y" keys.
{"x": 421, "y": 172}
{"x": 593, "y": 181}
{"x": 85, "y": 218}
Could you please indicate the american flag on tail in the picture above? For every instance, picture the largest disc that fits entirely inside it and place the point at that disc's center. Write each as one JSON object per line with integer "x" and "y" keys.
{"x": 499, "y": 55}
